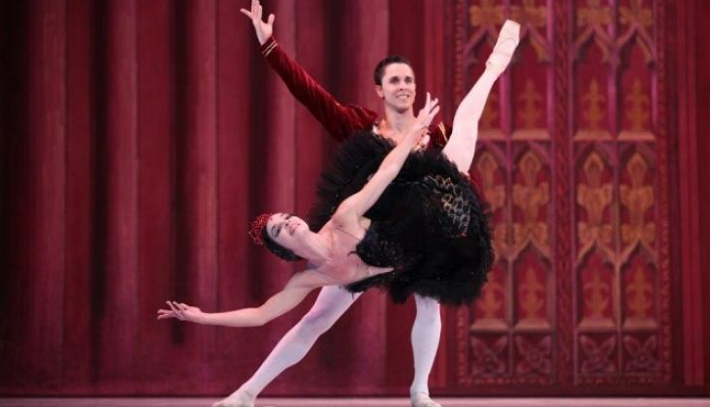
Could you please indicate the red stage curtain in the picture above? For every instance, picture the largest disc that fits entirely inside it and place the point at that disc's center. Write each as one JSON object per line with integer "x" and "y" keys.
{"x": 139, "y": 139}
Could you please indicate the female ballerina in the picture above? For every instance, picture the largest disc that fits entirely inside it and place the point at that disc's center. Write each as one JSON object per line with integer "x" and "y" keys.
{"x": 331, "y": 252}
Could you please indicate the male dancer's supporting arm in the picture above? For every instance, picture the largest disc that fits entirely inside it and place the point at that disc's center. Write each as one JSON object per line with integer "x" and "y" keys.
{"x": 338, "y": 119}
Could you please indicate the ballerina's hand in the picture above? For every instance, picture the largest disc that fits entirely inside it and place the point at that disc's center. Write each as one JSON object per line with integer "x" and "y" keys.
{"x": 425, "y": 116}
{"x": 181, "y": 311}
{"x": 263, "y": 30}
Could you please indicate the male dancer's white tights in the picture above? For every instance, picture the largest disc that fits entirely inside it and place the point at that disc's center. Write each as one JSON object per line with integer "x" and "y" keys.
{"x": 330, "y": 305}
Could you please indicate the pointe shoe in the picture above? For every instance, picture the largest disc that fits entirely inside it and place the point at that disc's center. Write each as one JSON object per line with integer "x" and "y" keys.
{"x": 423, "y": 400}
{"x": 508, "y": 39}
{"x": 233, "y": 402}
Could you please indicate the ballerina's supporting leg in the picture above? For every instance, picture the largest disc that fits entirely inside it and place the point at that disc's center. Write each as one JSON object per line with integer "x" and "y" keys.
{"x": 462, "y": 144}
{"x": 330, "y": 305}
{"x": 425, "y": 341}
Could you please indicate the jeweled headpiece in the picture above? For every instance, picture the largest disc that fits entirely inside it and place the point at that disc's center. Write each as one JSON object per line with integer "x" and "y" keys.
{"x": 257, "y": 226}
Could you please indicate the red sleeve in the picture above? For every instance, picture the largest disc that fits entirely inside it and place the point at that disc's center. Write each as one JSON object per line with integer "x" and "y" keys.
{"x": 339, "y": 120}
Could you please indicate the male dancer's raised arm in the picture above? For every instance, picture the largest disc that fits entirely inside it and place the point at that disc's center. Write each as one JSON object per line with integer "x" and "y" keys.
{"x": 338, "y": 119}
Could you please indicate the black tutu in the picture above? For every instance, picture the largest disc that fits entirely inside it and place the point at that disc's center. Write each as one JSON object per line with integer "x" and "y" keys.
{"x": 430, "y": 224}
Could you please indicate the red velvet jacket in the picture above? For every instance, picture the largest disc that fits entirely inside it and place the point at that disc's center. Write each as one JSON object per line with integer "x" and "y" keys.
{"x": 339, "y": 120}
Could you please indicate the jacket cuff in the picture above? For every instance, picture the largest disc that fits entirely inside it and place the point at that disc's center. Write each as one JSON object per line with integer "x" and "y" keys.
{"x": 268, "y": 46}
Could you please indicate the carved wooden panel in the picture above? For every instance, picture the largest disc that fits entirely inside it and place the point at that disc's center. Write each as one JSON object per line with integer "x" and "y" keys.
{"x": 573, "y": 158}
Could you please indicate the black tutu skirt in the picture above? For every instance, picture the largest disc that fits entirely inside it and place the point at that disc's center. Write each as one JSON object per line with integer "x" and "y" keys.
{"x": 431, "y": 224}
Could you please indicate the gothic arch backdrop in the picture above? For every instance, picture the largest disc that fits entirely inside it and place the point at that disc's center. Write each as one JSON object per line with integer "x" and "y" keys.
{"x": 575, "y": 161}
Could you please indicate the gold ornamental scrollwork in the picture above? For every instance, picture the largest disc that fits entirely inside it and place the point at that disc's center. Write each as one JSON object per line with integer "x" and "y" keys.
{"x": 487, "y": 166}
{"x": 528, "y": 103}
{"x": 594, "y": 197}
{"x": 593, "y": 20}
{"x": 595, "y": 102}
{"x": 638, "y": 107}
{"x": 530, "y": 14}
{"x": 594, "y": 114}
{"x": 594, "y": 15}
{"x": 639, "y": 292}
{"x": 637, "y": 198}
{"x": 597, "y": 296}
{"x": 532, "y": 294}
{"x": 532, "y": 18}
{"x": 638, "y": 113}
{"x": 486, "y": 14}
{"x": 638, "y": 19}
{"x": 636, "y": 13}
{"x": 485, "y": 18}
{"x": 529, "y": 111}
{"x": 491, "y": 306}
{"x": 530, "y": 197}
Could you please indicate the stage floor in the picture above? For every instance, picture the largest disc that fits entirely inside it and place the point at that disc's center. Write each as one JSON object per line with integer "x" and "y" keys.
{"x": 360, "y": 402}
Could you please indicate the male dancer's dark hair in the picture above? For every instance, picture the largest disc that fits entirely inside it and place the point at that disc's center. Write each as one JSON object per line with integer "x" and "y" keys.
{"x": 391, "y": 59}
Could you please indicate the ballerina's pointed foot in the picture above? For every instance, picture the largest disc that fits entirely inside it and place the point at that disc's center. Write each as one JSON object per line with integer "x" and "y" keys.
{"x": 423, "y": 400}
{"x": 508, "y": 40}
{"x": 232, "y": 403}
{"x": 235, "y": 401}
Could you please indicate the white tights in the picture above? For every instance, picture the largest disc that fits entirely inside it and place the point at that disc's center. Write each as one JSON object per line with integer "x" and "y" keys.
{"x": 331, "y": 303}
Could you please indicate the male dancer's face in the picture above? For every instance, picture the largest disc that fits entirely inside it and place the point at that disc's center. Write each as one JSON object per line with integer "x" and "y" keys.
{"x": 398, "y": 88}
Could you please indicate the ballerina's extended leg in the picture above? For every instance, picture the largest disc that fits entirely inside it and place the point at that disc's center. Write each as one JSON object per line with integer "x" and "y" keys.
{"x": 462, "y": 144}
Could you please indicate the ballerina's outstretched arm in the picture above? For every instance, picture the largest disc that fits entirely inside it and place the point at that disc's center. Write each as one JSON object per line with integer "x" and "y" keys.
{"x": 357, "y": 204}
{"x": 462, "y": 144}
{"x": 285, "y": 300}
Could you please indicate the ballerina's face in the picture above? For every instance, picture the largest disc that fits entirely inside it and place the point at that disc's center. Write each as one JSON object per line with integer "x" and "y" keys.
{"x": 398, "y": 87}
{"x": 286, "y": 229}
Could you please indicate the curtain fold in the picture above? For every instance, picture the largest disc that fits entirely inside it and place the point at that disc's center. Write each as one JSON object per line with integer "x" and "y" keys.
{"x": 142, "y": 137}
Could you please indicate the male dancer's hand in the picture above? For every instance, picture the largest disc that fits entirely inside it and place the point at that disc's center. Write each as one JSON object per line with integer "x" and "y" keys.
{"x": 263, "y": 30}
{"x": 182, "y": 311}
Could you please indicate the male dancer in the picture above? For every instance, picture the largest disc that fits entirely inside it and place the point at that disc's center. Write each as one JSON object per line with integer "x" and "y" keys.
{"x": 395, "y": 85}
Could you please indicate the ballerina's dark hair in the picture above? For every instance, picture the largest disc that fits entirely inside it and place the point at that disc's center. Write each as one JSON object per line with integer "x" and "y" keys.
{"x": 391, "y": 59}
{"x": 260, "y": 236}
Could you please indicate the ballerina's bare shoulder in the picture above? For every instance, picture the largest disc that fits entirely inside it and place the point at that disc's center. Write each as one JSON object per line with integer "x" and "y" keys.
{"x": 344, "y": 265}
